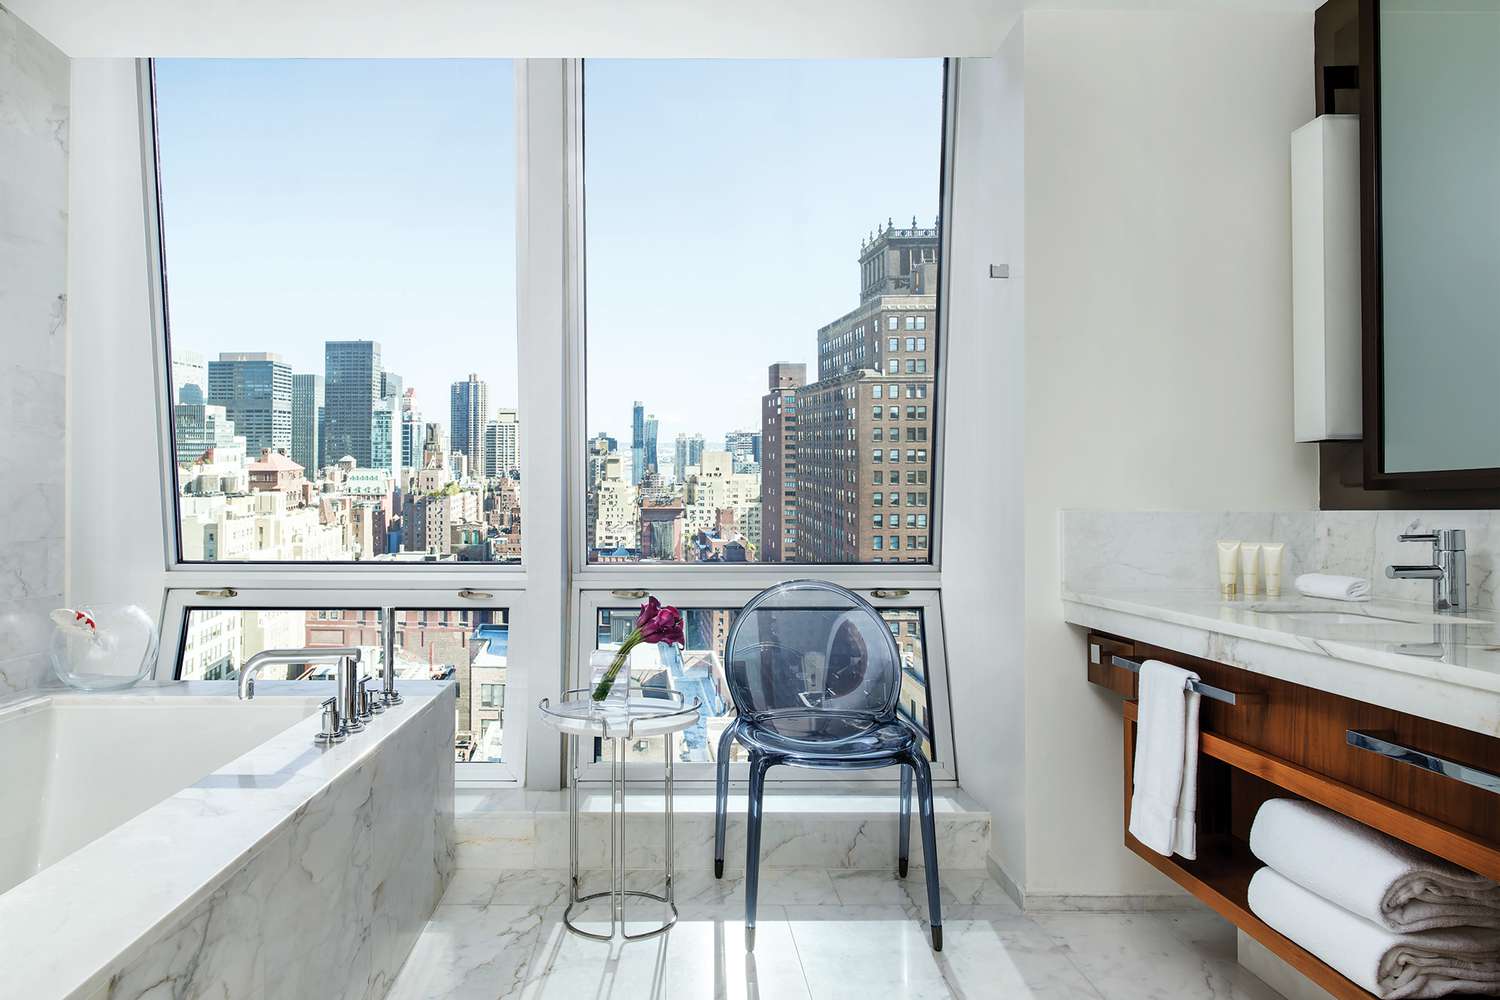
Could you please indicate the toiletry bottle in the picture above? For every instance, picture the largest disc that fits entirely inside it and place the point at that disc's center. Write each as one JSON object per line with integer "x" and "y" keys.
{"x": 1250, "y": 568}
{"x": 1271, "y": 555}
{"x": 1229, "y": 569}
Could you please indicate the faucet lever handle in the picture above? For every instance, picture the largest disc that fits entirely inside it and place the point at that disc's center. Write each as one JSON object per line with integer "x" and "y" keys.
{"x": 333, "y": 727}
{"x": 1429, "y": 537}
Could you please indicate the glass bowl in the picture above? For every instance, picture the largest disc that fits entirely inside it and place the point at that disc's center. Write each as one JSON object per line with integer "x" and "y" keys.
{"x": 117, "y": 652}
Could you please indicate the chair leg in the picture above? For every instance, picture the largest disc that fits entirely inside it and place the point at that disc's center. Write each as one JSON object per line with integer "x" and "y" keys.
{"x": 929, "y": 847}
{"x": 721, "y": 797}
{"x": 903, "y": 853}
{"x": 759, "y": 765}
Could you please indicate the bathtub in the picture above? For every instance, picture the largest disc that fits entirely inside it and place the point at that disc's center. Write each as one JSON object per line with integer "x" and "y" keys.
{"x": 173, "y": 833}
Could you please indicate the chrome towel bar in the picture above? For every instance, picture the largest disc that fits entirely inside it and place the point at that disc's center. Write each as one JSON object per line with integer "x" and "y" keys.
{"x": 1206, "y": 690}
{"x": 1381, "y": 744}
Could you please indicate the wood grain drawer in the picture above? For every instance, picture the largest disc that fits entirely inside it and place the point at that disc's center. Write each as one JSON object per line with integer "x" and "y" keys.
{"x": 1100, "y": 648}
{"x": 1309, "y": 728}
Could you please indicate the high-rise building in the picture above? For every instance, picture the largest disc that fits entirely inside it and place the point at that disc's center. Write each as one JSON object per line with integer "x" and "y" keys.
{"x": 744, "y": 447}
{"x": 256, "y": 393}
{"x": 778, "y": 467}
{"x": 648, "y": 447}
{"x": 688, "y": 452}
{"x": 864, "y": 429}
{"x": 385, "y": 431}
{"x": 411, "y": 431}
{"x": 202, "y": 427}
{"x": 502, "y": 445}
{"x": 188, "y": 369}
{"x": 351, "y": 391}
{"x": 637, "y": 441}
{"x": 307, "y": 407}
{"x": 469, "y": 406}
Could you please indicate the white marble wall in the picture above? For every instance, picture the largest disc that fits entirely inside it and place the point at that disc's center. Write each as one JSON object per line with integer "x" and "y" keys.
{"x": 33, "y": 279}
{"x": 1174, "y": 549}
{"x": 330, "y": 905}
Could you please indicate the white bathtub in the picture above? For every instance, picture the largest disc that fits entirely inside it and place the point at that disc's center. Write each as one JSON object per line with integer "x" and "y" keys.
{"x": 175, "y": 833}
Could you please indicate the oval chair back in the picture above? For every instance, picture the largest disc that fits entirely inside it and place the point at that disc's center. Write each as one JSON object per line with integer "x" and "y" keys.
{"x": 809, "y": 649}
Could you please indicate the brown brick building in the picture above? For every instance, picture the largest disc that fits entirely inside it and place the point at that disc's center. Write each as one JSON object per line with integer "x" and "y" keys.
{"x": 778, "y": 463}
{"x": 864, "y": 429}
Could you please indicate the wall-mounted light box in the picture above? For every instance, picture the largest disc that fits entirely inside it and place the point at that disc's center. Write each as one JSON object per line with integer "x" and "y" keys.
{"x": 1325, "y": 279}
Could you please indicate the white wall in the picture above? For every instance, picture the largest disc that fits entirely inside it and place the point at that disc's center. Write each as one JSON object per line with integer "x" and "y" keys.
{"x": 1158, "y": 345}
{"x": 983, "y": 369}
{"x": 33, "y": 345}
{"x": 115, "y": 524}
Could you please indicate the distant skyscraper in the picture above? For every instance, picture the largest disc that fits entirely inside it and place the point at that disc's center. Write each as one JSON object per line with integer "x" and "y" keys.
{"x": 778, "y": 469}
{"x": 744, "y": 446}
{"x": 502, "y": 445}
{"x": 385, "y": 430}
{"x": 256, "y": 393}
{"x": 307, "y": 406}
{"x": 648, "y": 446}
{"x": 351, "y": 388}
{"x": 637, "y": 441}
{"x": 469, "y": 405}
{"x": 688, "y": 451}
{"x": 188, "y": 369}
{"x": 200, "y": 428}
{"x": 411, "y": 431}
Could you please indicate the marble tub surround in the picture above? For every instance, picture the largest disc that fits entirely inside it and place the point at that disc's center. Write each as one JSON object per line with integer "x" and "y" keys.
{"x": 1106, "y": 550}
{"x": 821, "y": 933}
{"x": 290, "y": 871}
{"x": 850, "y": 826}
{"x": 33, "y": 284}
{"x": 1395, "y": 654}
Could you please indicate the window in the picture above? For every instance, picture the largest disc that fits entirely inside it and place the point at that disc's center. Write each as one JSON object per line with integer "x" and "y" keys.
{"x": 911, "y": 343}
{"x": 877, "y": 542}
{"x": 911, "y": 322}
{"x": 878, "y": 521}
{"x": 317, "y": 216}
{"x": 466, "y": 646}
{"x": 778, "y": 129}
{"x": 921, "y": 323}
{"x": 875, "y": 413}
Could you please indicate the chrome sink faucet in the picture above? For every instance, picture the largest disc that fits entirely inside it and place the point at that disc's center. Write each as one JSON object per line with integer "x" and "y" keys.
{"x": 342, "y": 714}
{"x": 1449, "y": 571}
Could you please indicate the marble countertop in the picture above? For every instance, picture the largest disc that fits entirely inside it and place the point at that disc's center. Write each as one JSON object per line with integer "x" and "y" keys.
{"x": 1392, "y": 653}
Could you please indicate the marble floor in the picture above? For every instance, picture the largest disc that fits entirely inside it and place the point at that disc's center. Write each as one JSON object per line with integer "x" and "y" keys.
{"x": 820, "y": 933}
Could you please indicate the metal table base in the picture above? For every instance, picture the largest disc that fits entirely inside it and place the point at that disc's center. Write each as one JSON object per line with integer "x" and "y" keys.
{"x": 616, "y": 891}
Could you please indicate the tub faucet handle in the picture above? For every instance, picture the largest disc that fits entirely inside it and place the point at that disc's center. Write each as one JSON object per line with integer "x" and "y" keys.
{"x": 333, "y": 727}
{"x": 366, "y": 706}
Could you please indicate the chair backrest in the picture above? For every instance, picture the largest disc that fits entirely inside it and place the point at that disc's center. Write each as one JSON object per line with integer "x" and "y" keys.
{"x": 812, "y": 646}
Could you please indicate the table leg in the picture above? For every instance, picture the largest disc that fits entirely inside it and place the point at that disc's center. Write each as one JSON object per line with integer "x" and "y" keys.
{"x": 617, "y": 837}
{"x": 671, "y": 851}
{"x": 572, "y": 748}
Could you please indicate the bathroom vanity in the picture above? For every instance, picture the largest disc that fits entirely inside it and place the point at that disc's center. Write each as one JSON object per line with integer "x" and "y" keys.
{"x": 1381, "y": 711}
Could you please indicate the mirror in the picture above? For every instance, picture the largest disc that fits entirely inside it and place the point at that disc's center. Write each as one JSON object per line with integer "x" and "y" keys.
{"x": 1430, "y": 134}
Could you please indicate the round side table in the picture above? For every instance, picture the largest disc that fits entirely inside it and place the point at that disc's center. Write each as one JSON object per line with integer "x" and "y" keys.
{"x": 636, "y": 716}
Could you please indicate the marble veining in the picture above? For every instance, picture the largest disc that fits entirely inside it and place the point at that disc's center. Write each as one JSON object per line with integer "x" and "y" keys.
{"x": 312, "y": 878}
{"x": 33, "y": 288}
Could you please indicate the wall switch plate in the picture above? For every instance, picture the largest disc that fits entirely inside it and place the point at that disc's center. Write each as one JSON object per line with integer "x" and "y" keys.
{"x": 999, "y": 270}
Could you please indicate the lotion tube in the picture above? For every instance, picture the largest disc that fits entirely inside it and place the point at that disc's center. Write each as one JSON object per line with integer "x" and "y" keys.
{"x": 1250, "y": 568}
{"x": 1271, "y": 554}
{"x": 1229, "y": 568}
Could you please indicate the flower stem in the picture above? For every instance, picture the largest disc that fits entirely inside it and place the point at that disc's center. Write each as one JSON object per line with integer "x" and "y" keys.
{"x": 601, "y": 690}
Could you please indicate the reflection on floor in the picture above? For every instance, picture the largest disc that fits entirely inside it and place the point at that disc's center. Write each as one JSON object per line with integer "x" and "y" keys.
{"x": 820, "y": 933}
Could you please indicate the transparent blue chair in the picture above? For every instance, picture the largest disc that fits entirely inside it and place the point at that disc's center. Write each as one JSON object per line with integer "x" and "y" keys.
{"x": 815, "y": 676}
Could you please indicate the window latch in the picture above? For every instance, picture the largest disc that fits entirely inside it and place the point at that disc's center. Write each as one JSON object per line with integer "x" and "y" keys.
{"x": 889, "y": 595}
{"x": 475, "y": 595}
{"x": 220, "y": 594}
{"x": 628, "y": 595}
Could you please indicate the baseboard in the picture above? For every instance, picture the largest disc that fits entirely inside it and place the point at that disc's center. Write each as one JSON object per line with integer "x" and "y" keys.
{"x": 1007, "y": 883}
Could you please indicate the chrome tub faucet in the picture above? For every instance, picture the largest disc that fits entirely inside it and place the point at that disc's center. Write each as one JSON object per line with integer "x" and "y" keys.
{"x": 1449, "y": 571}
{"x": 343, "y": 713}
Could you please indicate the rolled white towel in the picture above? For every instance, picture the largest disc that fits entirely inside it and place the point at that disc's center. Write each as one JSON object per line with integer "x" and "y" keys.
{"x": 1335, "y": 588}
{"x": 1390, "y": 965}
{"x": 1368, "y": 873}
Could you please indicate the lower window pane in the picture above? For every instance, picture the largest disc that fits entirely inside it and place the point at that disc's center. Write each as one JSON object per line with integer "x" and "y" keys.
{"x": 700, "y": 674}
{"x": 468, "y": 646}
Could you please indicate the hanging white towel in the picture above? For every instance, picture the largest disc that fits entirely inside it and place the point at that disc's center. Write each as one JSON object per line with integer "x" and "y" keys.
{"x": 1390, "y": 965}
{"x": 1335, "y": 588}
{"x": 1368, "y": 873}
{"x": 1164, "y": 805}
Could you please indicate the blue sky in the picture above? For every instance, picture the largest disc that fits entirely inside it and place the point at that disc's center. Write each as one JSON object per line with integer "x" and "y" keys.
{"x": 307, "y": 200}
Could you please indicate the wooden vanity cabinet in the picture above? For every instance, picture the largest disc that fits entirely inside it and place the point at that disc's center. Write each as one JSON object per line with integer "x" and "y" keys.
{"x": 1288, "y": 740}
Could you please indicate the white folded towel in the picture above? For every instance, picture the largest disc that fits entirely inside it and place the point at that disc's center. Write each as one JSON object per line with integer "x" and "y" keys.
{"x": 1335, "y": 588}
{"x": 1164, "y": 805}
{"x": 1368, "y": 873}
{"x": 1390, "y": 965}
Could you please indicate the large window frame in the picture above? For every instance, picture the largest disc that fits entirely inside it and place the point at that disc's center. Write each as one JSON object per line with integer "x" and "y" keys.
{"x": 553, "y": 594}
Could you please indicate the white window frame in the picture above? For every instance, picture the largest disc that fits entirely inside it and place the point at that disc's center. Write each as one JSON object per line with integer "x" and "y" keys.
{"x": 553, "y": 593}
{"x": 180, "y": 602}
